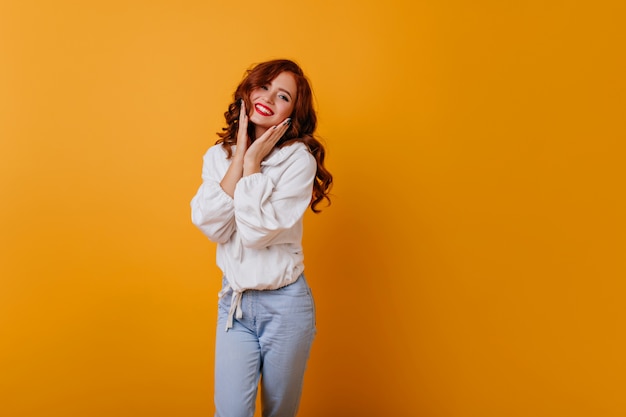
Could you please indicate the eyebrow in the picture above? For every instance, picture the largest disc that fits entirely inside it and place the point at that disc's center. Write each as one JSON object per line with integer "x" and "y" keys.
{"x": 285, "y": 91}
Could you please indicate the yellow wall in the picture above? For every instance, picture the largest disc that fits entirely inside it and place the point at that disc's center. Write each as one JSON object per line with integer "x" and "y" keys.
{"x": 472, "y": 262}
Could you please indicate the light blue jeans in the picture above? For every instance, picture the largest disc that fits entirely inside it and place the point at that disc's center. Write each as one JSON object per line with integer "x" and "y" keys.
{"x": 272, "y": 342}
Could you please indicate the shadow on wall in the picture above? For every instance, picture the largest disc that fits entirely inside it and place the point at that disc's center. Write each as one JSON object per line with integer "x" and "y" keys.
{"x": 362, "y": 292}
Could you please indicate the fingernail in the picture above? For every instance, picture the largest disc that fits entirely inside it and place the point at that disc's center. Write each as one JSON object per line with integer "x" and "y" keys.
{"x": 288, "y": 121}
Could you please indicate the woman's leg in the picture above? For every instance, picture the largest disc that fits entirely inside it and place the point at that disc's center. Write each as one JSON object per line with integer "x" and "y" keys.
{"x": 237, "y": 367}
{"x": 286, "y": 328}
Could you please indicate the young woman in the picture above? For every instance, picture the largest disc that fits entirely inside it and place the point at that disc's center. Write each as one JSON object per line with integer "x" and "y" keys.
{"x": 258, "y": 179}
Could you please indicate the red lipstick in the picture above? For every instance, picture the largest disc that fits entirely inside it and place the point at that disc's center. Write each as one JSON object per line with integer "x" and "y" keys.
{"x": 263, "y": 110}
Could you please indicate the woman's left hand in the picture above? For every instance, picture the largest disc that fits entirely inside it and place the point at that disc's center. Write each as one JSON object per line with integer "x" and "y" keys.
{"x": 262, "y": 147}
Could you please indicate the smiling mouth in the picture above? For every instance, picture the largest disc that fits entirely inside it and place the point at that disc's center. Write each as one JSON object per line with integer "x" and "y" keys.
{"x": 263, "y": 110}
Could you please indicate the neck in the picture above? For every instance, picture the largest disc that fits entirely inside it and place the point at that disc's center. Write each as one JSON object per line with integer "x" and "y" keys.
{"x": 258, "y": 131}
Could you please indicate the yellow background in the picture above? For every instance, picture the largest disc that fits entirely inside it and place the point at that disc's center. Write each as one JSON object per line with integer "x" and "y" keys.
{"x": 472, "y": 262}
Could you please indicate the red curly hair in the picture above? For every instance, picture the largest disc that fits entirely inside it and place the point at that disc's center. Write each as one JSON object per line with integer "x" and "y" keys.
{"x": 303, "y": 120}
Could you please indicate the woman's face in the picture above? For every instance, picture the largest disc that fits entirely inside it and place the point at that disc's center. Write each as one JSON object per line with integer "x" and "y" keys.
{"x": 273, "y": 102}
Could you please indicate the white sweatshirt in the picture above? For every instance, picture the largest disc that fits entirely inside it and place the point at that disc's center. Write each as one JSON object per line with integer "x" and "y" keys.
{"x": 259, "y": 231}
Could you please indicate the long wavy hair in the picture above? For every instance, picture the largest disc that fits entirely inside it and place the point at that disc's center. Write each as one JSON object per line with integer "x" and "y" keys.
{"x": 303, "y": 120}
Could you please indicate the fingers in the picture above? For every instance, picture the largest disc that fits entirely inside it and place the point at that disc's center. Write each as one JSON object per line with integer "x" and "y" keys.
{"x": 243, "y": 118}
{"x": 242, "y": 131}
{"x": 273, "y": 134}
{"x": 263, "y": 146}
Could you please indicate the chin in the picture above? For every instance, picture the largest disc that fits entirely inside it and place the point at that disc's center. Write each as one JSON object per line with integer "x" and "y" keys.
{"x": 259, "y": 122}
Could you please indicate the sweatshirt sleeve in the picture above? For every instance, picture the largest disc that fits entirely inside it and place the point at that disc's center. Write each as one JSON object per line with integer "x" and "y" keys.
{"x": 212, "y": 210}
{"x": 266, "y": 207}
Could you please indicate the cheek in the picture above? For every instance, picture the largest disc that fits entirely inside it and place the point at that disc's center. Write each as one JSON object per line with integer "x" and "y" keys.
{"x": 288, "y": 109}
{"x": 254, "y": 94}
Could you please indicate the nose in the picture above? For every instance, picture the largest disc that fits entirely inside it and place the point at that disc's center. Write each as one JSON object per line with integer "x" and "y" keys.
{"x": 268, "y": 96}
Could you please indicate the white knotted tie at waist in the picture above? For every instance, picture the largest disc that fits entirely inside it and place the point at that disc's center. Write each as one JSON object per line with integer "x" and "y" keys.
{"x": 235, "y": 305}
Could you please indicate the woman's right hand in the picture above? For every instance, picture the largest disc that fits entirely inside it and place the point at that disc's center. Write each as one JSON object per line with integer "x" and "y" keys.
{"x": 243, "y": 140}
{"x": 235, "y": 170}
